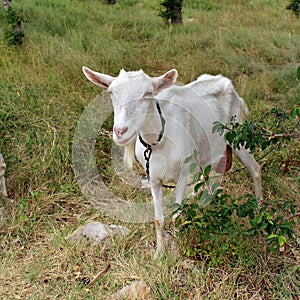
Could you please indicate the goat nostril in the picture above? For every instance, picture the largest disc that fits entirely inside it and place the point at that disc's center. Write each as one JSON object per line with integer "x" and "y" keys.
{"x": 120, "y": 131}
{"x": 124, "y": 129}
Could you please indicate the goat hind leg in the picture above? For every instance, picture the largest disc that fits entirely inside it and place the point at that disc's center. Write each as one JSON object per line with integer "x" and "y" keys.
{"x": 254, "y": 168}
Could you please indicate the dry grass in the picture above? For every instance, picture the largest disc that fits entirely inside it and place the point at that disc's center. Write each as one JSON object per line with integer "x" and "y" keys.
{"x": 37, "y": 263}
{"x": 43, "y": 94}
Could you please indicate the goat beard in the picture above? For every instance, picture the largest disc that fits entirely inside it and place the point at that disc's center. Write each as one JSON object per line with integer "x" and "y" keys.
{"x": 129, "y": 156}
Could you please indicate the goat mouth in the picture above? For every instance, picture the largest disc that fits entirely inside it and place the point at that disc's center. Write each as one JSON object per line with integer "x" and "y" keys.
{"x": 126, "y": 141}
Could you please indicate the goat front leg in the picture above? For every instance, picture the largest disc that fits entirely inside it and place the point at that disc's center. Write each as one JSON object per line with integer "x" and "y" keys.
{"x": 157, "y": 195}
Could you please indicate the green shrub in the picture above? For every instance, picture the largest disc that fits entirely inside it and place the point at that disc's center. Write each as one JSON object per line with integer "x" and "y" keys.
{"x": 217, "y": 224}
{"x": 294, "y": 6}
{"x": 13, "y": 32}
{"x": 172, "y": 11}
{"x": 217, "y": 227}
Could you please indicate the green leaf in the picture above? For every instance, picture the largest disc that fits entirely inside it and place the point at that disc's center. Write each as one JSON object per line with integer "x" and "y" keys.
{"x": 252, "y": 231}
{"x": 262, "y": 226}
{"x": 175, "y": 206}
{"x": 196, "y": 153}
{"x": 194, "y": 206}
{"x": 272, "y": 236}
{"x": 298, "y": 73}
{"x": 218, "y": 127}
{"x": 281, "y": 240}
{"x": 188, "y": 159}
{"x": 197, "y": 177}
{"x": 284, "y": 225}
{"x": 258, "y": 220}
{"x": 185, "y": 223}
{"x": 215, "y": 186}
{"x": 198, "y": 186}
{"x": 199, "y": 224}
{"x": 295, "y": 112}
{"x": 193, "y": 167}
{"x": 207, "y": 171}
{"x": 229, "y": 136}
{"x": 218, "y": 192}
{"x": 204, "y": 198}
{"x": 269, "y": 217}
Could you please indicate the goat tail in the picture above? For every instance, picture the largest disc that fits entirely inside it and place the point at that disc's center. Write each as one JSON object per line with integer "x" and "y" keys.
{"x": 239, "y": 107}
{"x": 129, "y": 157}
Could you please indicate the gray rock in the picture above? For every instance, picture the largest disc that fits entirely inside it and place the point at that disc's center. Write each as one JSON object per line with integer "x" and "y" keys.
{"x": 3, "y": 191}
{"x": 137, "y": 290}
{"x": 95, "y": 233}
{"x": 3, "y": 218}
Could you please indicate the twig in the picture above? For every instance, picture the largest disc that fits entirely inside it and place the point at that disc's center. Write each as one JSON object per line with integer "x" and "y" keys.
{"x": 99, "y": 275}
{"x": 297, "y": 214}
{"x": 285, "y": 135}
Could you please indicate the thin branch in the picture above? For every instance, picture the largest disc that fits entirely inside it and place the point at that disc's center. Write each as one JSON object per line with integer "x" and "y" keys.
{"x": 99, "y": 275}
{"x": 297, "y": 214}
{"x": 286, "y": 135}
{"x": 296, "y": 125}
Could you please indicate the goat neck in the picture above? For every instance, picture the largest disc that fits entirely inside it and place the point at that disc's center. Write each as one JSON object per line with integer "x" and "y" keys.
{"x": 153, "y": 129}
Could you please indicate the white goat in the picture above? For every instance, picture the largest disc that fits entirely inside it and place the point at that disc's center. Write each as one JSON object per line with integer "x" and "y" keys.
{"x": 162, "y": 124}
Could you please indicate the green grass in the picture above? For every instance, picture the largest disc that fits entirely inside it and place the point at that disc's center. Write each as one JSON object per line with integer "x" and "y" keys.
{"x": 42, "y": 96}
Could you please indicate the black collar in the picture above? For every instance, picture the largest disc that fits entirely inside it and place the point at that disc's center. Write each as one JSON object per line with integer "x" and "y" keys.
{"x": 163, "y": 122}
{"x": 148, "y": 150}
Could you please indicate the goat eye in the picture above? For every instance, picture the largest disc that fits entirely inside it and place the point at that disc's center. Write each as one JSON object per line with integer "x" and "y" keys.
{"x": 147, "y": 95}
{"x": 110, "y": 93}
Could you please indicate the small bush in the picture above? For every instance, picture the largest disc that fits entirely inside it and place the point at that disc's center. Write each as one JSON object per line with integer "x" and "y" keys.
{"x": 215, "y": 225}
{"x": 294, "y": 6}
{"x": 172, "y": 11}
{"x": 13, "y": 32}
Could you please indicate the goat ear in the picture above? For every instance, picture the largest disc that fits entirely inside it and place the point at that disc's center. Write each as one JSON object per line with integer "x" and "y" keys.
{"x": 99, "y": 79}
{"x": 164, "y": 81}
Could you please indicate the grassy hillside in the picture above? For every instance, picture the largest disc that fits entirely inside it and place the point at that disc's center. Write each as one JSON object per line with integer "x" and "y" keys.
{"x": 43, "y": 94}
